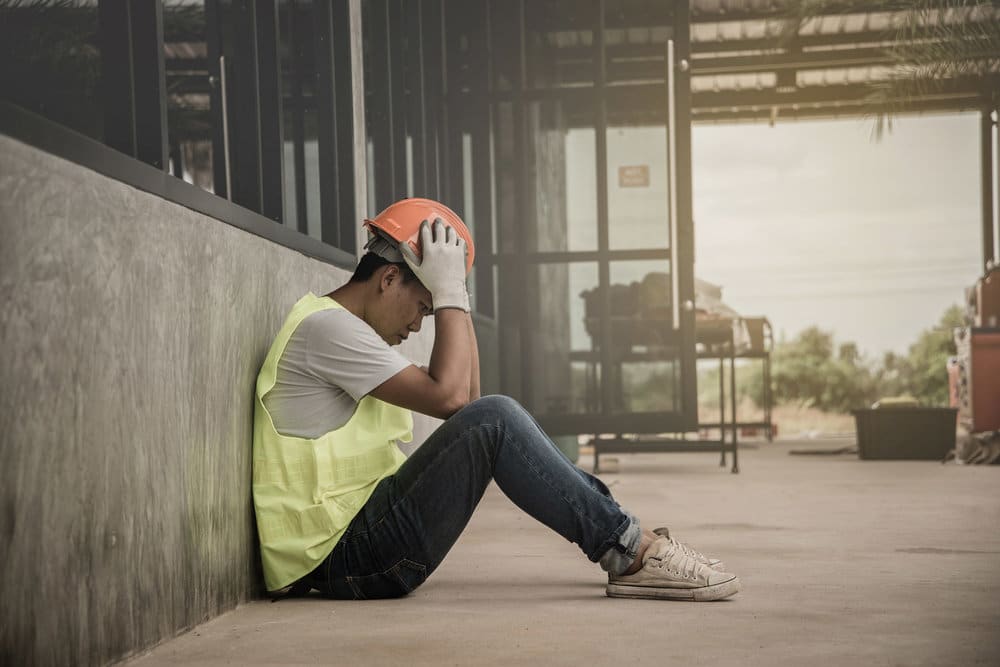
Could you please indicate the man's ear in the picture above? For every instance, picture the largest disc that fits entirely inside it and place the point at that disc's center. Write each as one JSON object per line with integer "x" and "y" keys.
{"x": 389, "y": 275}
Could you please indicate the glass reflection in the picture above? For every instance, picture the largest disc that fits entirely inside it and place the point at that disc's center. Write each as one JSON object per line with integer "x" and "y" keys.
{"x": 644, "y": 348}
{"x": 638, "y": 198}
{"x": 565, "y": 368}
{"x": 300, "y": 115}
{"x": 51, "y": 62}
{"x": 506, "y": 171}
{"x": 562, "y": 152}
{"x": 560, "y": 43}
{"x": 636, "y": 34}
{"x": 504, "y": 27}
{"x": 190, "y": 121}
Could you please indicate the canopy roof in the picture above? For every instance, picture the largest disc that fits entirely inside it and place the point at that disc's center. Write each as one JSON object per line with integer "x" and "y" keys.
{"x": 744, "y": 67}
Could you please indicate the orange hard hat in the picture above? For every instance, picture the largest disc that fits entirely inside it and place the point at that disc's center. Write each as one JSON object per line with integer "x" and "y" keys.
{"x": 400, "y": 223}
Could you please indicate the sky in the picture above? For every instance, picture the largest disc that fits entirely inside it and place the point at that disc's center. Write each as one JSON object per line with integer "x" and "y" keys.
{"x": 815, "y": 223}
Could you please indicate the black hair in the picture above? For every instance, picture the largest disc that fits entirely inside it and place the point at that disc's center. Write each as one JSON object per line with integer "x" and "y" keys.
{"x": 371, "y": 262}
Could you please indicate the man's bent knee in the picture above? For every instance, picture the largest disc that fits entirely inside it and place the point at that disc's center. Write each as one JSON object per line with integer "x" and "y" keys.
{"x": 491, "y": 408}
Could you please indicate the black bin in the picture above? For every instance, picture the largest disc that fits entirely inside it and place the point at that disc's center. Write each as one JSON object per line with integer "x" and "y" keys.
{"x": 905, "y": 432}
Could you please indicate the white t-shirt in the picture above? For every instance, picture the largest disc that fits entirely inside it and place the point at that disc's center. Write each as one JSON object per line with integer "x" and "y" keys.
{"x": 332, "y": 360}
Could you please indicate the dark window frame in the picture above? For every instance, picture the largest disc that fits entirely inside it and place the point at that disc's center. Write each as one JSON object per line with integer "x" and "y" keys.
{"x": 511, "y": 83}
{"x": 135, "y": 150}
{"x": 63, "y": 142}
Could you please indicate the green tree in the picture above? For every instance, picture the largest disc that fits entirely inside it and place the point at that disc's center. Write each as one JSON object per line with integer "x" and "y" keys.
{"x": 798, "y": 367}
{"x": 922, "y": 373}
{"x": 805, "y": 370}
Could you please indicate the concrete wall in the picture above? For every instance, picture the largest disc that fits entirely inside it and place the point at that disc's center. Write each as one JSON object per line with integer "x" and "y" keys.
{"x": 132, "y": 332}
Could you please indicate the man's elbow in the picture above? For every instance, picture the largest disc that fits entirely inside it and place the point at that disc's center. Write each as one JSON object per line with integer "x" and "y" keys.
{"x": 454, "y": 403}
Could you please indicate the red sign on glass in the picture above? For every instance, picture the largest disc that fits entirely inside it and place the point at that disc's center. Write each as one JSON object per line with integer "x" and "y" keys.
{"x": 633, "y": 176}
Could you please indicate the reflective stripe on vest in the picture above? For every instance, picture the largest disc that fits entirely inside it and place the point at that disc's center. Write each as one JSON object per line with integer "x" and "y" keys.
{"x": 306, "y": 491}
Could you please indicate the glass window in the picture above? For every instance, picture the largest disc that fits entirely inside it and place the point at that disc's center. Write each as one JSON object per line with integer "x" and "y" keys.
{"x": 505, "y": 38}
{"x": 50, "y": 62}
{"x": 645, "y": 349}
{"x": 562, "y": 153}
{"x": 560, "y": 44}
{"x": 300, "y": 115}
{"x": 468, "y": 210}
{"x": 638, "y": 198}
{"x": 191, "y": 120}
{"x": 506, "y": 157}
{"x": 636, "y": 34}
{"x": 385, "y": 106}
{"x": 562, "y": 322}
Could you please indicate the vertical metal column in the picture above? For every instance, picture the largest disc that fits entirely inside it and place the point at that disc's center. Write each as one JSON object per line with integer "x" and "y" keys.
{"x": 357, "y": 119}
{"x": 326, "y": 122}
{"x": 768, "y": 396}
{"x": 722, "y": 411}
{"x": 986, "y": 171}
{"x": 298, "y": 119}
{"x": 684, "y": 274}
{"x": 432, "y": 67}
{"x": 116, "y": 76}
{"x": 397, "y": 41}
{"x": 386, "y": 87}
{"x": 349, "y": 167}
{"x": 482, "y": 183}
{"x": 609, "y": 373}
{"x": 240, "y": 80}
{"x": 254, "y": 106}
{"x": 379, "y": 96}
{"x": 416, "y": 109}
{"x": 335, "y": 124}
{"x": 732, "y": 398}
{"x": 517, "y": 271}
{"x": 213, "y": 50}
{"x": 506, "y": 25}
{"x": 150, "y": 84}
{"x": 134, "y": 80}
{"x": 456, "y": 16}
{"x": 271, "y": 129}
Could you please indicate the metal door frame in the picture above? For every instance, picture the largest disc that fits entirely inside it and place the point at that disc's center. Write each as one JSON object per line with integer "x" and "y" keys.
{"x": 680, "y": 253}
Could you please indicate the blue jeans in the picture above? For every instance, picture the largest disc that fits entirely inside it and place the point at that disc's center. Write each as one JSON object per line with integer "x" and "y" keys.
{"x": 415, "y": 516}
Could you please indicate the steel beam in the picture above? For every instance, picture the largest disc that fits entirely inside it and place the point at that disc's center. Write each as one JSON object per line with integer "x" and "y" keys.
{"x": 134, "y": 80}
{"x": 955, "y": 91}
{"x": 798, "y": 60}
{"x": 358, "y": 143}
{"x": 986, "y": 171}
{"x": 269, "y": 96}
{"x": 816, "y": 111}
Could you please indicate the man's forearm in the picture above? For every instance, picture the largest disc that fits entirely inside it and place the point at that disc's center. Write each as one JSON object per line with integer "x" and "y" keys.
{"x": 451, "y": 356}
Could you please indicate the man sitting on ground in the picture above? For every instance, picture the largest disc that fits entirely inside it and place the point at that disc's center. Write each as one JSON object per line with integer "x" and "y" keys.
{"x": 340, "y": 509}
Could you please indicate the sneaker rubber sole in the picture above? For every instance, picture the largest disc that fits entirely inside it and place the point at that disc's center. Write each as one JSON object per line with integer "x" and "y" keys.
{"x": 703, "y": 594}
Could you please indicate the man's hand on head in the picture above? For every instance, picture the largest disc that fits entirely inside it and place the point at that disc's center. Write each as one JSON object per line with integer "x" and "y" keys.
{"x": 441, "y": 266}
{"x": 445, "y": 386}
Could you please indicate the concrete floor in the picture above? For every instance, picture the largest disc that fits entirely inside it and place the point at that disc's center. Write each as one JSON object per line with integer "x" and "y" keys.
{"x": 843, "y": 562}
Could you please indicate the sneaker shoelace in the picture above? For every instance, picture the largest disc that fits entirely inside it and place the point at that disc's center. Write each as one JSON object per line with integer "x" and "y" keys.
{"x": 668, "y": 556}
{"x": 685, "y": 549}
{"x": 688, "y": 551}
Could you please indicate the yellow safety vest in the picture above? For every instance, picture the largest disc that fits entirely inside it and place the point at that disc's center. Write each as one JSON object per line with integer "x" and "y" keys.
{"x": 306, "y": 491}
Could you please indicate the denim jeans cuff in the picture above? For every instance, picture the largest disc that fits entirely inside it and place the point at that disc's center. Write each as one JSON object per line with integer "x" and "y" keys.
{"x": 623, "y": 553}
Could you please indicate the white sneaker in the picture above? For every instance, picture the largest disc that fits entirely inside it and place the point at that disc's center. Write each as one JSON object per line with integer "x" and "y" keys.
{"x": 713, "y": 563}
{"x": 670, "y": 573}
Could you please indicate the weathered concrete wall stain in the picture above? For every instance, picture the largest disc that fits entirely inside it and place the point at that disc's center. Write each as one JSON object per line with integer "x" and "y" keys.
{"x": 132, "y": 332}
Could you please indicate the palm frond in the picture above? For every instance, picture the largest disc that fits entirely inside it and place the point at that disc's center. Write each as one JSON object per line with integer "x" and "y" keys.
{"x": 929, "y": 43}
